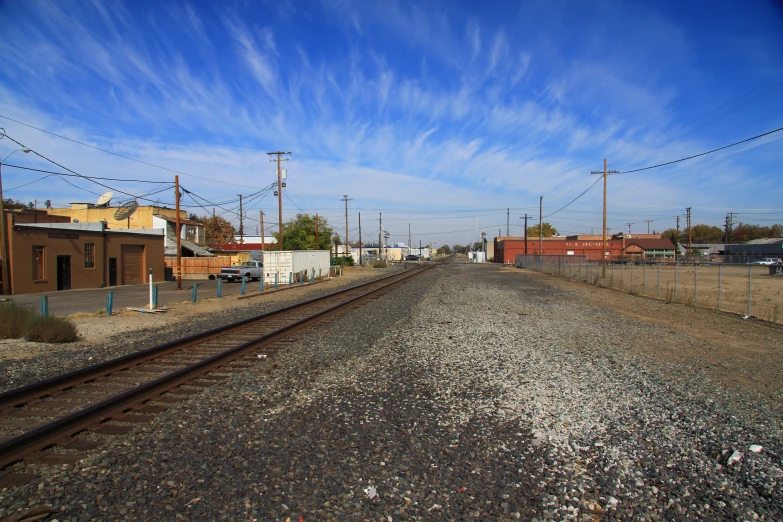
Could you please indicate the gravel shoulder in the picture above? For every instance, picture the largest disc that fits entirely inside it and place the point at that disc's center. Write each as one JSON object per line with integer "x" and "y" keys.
{"x": 473, "y": 392}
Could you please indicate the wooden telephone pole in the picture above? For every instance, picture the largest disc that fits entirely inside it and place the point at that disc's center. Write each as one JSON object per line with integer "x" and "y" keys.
{"x": 279, "y": 193}
{"x": 603, "y": 251}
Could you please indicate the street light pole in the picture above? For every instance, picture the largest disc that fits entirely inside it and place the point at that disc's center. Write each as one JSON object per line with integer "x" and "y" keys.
{"x": 4, "y": 240}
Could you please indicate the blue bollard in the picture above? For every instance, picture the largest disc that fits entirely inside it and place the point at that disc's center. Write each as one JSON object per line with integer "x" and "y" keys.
{"x": 290, "y": 278}
{"x": 44, "y": 305}
{"x": 109, "y": 303}
{"x": 244, "y": 282}
{"x": 154, "y": 296}
{"x": 312, "y": 275}
{"x": 301, "y": 277}
{"x": 261, "y": 283}
{"x": 195, "y": 292}
{"x": 220, "y": 287}
{"x": 276, "y": 279}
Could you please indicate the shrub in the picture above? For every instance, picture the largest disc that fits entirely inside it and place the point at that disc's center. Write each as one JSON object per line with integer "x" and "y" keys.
{"x": 49, "y": 329}
{"x": 343, "y": 261}
{"x": 379, "y": 264}
{"x": 12, "y": 320}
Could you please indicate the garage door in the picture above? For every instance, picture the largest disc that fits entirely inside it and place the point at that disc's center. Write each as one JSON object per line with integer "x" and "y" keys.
{"x": 132, "y": 264}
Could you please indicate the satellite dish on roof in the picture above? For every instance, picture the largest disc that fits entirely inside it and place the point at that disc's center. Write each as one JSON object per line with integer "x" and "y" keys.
{"x": 103, "y": 201}
{"x": 126, "y": 210}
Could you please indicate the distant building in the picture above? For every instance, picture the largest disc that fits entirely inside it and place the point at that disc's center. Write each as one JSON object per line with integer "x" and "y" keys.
{"x": 767, "y": 247}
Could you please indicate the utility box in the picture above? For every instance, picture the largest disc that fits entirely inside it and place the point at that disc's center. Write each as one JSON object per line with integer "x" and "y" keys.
{"x": 289, "y": 264}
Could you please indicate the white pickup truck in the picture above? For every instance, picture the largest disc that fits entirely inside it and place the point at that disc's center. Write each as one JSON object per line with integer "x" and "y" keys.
{"x": 251, "y": 270}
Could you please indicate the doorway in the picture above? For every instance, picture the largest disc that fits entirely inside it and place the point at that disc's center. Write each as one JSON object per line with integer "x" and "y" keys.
{"x": 63, "y": 272}
{"x": 112, "y": 271}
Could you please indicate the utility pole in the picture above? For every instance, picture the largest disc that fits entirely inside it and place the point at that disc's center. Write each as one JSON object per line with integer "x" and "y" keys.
{"x": 361, "y": 260}
{"x": 262, "y": 230}
{"x": 410, "y": 245}
{"x": 316, "y": 231}
{"x": 605, "y": 173}
{"x": 540, "y": 225}
{"x": 729, "y": 224}
{"x": 525, "y": 234}
{"x": 345, "y": 197}
{"x": 178, "y": 229}
{"x": 508, "y": 210}
{"x": 690, "y": 234}
{"x": 677, "y": 238}
{"x": 279, "y": 193}
{"x": 380, "y": 232}
{"x": 648, "y": 221}
{"x": 241, "y": 222}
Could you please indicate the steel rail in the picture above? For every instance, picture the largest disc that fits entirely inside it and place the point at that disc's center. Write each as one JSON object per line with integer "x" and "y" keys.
{"x": 23, "y": 394}
{"x": 17, "y": 448}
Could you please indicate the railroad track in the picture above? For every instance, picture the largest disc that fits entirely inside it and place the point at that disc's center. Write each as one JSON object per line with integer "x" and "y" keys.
{"x": 42, "y": 422}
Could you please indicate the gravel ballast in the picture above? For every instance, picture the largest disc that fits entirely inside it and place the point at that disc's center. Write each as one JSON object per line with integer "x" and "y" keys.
{"x": 473, "y": 392}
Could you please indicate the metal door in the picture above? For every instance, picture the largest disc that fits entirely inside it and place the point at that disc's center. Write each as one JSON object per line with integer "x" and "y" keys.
{"x": 112, "y": 271}
{"x": 63, "y": 272}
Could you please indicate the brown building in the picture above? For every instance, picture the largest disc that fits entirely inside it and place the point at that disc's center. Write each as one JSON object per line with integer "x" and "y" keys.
{"x": 61, "y": 256}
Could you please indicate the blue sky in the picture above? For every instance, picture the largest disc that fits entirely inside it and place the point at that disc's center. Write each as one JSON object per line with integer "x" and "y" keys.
{"x": 439, "y": 115}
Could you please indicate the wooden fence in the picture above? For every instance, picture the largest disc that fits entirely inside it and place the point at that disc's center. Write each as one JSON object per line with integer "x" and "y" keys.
{"x": 199, "y": 267}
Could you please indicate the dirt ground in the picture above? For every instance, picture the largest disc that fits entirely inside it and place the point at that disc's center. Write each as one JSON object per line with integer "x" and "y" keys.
{"x": 745, "y": 355}
{"x": 712, "y": 286}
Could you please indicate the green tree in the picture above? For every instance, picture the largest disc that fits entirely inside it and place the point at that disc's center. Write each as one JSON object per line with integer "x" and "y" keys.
{"x": 10, "y": 203}
{"x": 444, "y": 250}
{"x": 459, "y": 249}
{"x": 547, "y": 229}
{"x": 299, "y": 233}
{"x": 707, "y": 234}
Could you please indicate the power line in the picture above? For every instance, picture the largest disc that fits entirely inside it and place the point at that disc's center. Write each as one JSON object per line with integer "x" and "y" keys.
{"x": 120, "y": 155}
{"x": 704, "y": 153}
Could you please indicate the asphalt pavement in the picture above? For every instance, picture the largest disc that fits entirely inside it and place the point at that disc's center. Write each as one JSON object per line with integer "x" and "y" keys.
{"x": 91, "y": 300}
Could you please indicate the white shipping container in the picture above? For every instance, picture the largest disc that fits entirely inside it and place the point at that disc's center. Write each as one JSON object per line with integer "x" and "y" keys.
{"x": 288, "y": 264}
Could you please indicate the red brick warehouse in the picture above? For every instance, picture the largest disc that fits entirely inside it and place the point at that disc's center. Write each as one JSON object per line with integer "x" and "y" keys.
{"x": 507, "y": 248}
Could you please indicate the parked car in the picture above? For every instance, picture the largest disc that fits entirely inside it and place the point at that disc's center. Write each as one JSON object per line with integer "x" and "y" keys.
{"x": 252, "y": 270}
{"x": 412, "y": 257}
{"x": 766, "y": 261}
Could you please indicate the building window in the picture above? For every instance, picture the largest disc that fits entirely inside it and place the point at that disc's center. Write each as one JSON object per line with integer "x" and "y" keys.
{"x": 38, "y": 263}
{"x": 89, "y": 255}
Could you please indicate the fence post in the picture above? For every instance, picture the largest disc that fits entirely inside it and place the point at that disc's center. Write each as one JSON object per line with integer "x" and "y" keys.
{"x": 612, "y": 275}
{"x": 44, "y": 305}
{"x": 659, "y": 280}
{"x": 276, "y": 277}
{"x": 109, "y": 303}
{"x": 632, "y": 263}
{"x": 290, "y": 278}
{"x": 695, "y": 285}
{"x": 195, "y": 293}
{"x": 154, "y": 296}
{"x": 301, "y": 277}
{"x": 220, "y": 286}
{"x": 750, "y": 287}
{"x": 244, "y": 282}
{"x": 676, "y": 279}
{"x": 644, "y": 279}
{"x": 261, "y": 283}
{"x": 720, "y": 283}
{"x": 312, "y": 276}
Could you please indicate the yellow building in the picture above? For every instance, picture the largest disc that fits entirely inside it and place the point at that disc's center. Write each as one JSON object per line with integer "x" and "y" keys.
{"x": 142, "y": 217}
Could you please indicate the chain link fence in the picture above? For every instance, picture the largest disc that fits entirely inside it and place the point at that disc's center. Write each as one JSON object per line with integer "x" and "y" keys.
{"x": 746, "y": 289}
